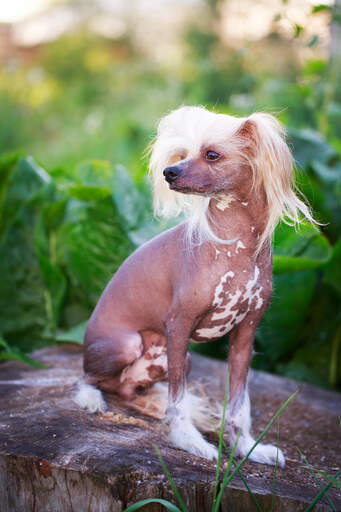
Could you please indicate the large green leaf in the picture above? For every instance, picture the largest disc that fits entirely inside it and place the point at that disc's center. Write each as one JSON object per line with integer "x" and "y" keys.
{"x": 302, "y": 250}
{"x": 91, "y": 244}
{"x": 22, "y": 288}
{"x": 129, "y": 201}
{"x": 8, "y": 162}
{"x": 332, "y": 273}
{"x": 54, "y": 279}
{"x": 280, "y": 331}
{"x": 32, "y": 287}
{"x": 21, "y": 178}
{"x": 309, "y": 145}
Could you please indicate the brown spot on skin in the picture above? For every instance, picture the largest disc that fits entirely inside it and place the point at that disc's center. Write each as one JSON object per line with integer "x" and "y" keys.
{"x": 244, "y": 306}
{"x": 155, "y": 371}
{"x": 148, "y": 356}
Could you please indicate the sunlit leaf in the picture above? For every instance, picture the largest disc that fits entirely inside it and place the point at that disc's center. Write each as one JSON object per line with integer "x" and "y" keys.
{"x": 302, "y": 250}
{"x": 73, "y": 335}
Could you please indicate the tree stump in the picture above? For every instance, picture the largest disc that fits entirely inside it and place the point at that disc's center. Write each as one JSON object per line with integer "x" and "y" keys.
{"x": 55, "y": 457}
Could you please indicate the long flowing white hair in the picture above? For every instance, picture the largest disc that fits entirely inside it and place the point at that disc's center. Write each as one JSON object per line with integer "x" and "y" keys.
{"x": 259, "y": 139}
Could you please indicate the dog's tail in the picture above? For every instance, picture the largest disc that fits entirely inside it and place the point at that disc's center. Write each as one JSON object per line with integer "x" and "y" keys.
{"x": 88, "y": 397}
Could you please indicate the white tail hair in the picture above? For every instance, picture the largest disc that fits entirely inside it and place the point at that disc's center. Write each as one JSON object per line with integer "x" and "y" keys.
{"x": 266, "y": 150}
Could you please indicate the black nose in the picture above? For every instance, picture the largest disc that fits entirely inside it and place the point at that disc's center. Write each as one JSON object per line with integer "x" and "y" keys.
{"x": 171, "y": 173}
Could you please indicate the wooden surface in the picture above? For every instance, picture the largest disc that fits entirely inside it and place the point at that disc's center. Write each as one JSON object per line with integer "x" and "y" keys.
{"x": 56, "y": 457}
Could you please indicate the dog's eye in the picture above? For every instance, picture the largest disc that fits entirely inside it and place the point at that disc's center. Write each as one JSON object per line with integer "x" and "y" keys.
{"x": 212, "y": 155}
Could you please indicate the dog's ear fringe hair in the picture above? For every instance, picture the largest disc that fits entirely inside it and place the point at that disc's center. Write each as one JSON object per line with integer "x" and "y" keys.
{"x": 271, "y": 162}
{"x": 273, "y": 168}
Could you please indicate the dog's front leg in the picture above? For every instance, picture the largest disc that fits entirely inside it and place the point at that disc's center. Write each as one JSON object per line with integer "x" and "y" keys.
{"x": 182, "y": 432}
{"x": 238, "y": 415}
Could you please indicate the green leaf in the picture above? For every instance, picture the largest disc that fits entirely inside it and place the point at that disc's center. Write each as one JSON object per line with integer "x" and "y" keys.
{"x": 167, "y": 504}
{"x": 298, "y": 29}
{"x": 23, "y": 311}
{"x": 94, "y": 173}
{"x": 54, "y": 279}
{"x": 297, "y": 251}
{"x": 8, "y": 162}
{"x": 73, "y": 335}
{"x": 332, "y": 274}
{"x": 320, "y": 7}
{"x": 20, "y": 184}
{"x": 89, "y": 192}
{"x": 14, "y": 353}
{"x": 129, "y": 202}
{"x": 281, "y": 328}
{"x": 309, "y": 145}
{"x": 91, "y": 244}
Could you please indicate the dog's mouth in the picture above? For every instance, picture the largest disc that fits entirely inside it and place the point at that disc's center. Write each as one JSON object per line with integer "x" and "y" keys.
{"x": 185, "y": 189}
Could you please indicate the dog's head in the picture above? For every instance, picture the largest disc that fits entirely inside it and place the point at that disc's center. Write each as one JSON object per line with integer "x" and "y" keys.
{"x": 199, "y": 154}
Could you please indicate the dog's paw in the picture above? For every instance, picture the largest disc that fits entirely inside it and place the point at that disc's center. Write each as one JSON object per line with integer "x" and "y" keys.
{"x": 263, "y": 453}
{"x": 89, "y": 398}
{"x": 188, "y": 438}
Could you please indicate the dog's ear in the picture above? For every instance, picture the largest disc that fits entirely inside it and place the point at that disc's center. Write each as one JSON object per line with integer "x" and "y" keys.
{"x": 272, "y": 164}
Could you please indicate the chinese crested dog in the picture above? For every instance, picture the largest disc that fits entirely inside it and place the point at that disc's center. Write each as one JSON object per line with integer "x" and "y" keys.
{"x": 209, "y": 276}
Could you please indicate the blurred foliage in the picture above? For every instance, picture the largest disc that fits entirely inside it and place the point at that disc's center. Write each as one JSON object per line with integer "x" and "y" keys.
{"x": 86, "y": 107}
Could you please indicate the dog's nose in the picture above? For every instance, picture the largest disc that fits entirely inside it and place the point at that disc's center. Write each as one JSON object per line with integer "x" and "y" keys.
{"x": 171, "y": 173}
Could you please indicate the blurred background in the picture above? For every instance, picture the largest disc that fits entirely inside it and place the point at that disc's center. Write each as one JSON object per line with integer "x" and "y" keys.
{"x": 82, "y": 86}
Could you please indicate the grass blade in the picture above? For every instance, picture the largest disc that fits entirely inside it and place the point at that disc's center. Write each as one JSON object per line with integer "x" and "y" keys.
{"x": 217, "y": 505}
{"x": 317, "y": 480}
{"x": 323, "y": 491}
{"x": 221, "y": 433}
{"x": 267, "y": 428}
{"x": 253, "y": 497}
{"x": 275, "y": 474}
{"x": 142, "y": 503}
{"x": 171, "y": 481}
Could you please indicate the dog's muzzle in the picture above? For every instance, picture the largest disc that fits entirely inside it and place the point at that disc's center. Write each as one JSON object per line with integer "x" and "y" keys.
{"x": 172, "y": 173}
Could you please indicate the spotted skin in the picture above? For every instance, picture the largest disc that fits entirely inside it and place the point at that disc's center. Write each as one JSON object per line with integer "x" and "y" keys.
{"x": 164, "y": 295}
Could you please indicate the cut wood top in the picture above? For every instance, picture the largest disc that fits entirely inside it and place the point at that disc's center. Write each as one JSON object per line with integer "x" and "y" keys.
{"x": 39, "y": 422}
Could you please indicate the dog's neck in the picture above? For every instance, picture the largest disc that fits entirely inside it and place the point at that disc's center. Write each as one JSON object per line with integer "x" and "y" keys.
{"x": 228, "y": 211}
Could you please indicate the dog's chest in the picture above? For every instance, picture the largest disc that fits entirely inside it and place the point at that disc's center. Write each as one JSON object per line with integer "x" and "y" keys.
{"x": 234, "y": 297}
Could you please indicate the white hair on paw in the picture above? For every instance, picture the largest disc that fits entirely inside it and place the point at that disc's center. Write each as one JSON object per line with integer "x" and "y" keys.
{"x": 183, "y": 433}
{"x": 263, "y": 453}
{"x": 89, "y": 398}
{"x": 241, "y": 420}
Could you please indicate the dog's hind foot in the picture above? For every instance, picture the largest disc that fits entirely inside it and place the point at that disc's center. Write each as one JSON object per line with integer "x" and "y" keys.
{"x": 88, "y": 397}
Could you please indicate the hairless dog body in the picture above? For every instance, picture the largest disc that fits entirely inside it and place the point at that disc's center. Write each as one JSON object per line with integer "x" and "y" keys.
{"x": 208, "y": 276}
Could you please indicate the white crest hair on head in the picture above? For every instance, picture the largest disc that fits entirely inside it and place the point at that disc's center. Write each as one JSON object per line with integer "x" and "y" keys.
{"x": 170, "y": 142}
{"x": 271, "y": 162}
{"x": 273, "y": 169}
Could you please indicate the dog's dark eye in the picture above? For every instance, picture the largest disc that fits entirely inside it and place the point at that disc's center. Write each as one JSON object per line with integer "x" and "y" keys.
{"x": 212, "y": 155}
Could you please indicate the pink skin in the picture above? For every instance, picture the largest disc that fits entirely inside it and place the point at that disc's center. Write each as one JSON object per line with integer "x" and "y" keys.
{"x": 162, "y": 295}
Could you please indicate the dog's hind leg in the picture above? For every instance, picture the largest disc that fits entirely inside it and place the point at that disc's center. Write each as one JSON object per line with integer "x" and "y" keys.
{"x": 238, "y": 415}
{"x": 104, "y": 360}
